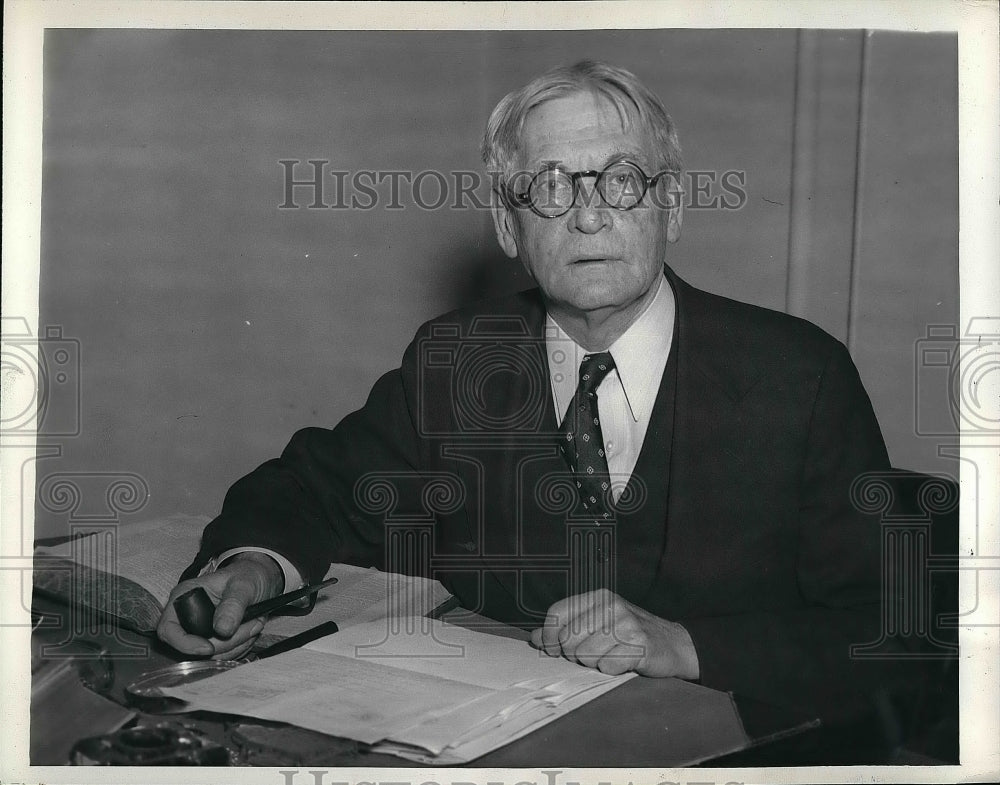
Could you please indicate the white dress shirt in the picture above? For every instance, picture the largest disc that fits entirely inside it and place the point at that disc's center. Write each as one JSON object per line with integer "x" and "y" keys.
{"x": 625, "y": 397}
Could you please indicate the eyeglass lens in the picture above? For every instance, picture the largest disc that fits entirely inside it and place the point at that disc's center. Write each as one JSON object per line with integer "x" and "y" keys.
{"x": 621, "y": 186}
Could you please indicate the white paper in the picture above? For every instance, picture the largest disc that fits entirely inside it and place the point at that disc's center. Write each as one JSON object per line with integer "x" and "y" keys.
{"x": 428, "y": 690}
{"x": 352, "y": 698}
{"x": 362, "y": 595}
{"x": 433, "y": 647}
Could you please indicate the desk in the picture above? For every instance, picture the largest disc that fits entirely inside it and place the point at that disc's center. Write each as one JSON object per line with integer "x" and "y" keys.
{"x": 643, "y": 723}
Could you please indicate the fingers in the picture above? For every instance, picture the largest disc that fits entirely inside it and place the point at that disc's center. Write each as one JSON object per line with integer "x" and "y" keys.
{"x": 605, "y": 633}
{"x": 588, "y": 650}
{"x": 591, "y": 617}
{"x": 565, "y": 619}
{"x": 169, "y": 628}
{"x": 170, "y": 632}
{"x": 596, "y": 629}
{"x": 239, "y": 643}
{"x": 231, "y": 589}
{"x": 620, "y": 658}
{"x": 239, "y": 593}
{"x": 617, "y": 655}
{"x": 601, "y": 630}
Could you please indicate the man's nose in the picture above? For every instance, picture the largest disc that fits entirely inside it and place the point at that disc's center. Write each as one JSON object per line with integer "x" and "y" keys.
{"x": 589, "y": 214}
{"x": 590, "y": 219}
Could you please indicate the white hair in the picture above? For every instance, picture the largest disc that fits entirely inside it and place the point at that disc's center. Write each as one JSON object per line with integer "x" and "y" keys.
{"x": 635, "y": 103}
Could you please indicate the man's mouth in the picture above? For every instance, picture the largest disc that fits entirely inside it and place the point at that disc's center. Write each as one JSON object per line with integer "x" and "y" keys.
{"x": 592, "y": 259}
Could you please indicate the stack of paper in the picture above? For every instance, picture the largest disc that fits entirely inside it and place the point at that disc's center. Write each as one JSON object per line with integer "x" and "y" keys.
{"x": 414, "y": 687}
{"x": 361, "y": 595}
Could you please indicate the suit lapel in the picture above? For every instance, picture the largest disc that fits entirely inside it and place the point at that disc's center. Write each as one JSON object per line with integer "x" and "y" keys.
{"x": 714, "y": 374}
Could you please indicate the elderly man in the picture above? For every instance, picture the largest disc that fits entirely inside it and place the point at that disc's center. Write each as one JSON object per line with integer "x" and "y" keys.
{"x": 647, "y": 476}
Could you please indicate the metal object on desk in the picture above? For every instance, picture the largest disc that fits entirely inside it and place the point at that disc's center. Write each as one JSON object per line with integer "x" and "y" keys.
{"x": 93, "y": 662}
{"x": 261, "y": 743}
{"x": 146, "y": 692}
{"x": 162, "y": 744}
{"x": 97, "y": 674}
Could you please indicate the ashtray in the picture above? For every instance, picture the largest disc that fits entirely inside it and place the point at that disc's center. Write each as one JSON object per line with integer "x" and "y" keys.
{"x": 146, "y": 692}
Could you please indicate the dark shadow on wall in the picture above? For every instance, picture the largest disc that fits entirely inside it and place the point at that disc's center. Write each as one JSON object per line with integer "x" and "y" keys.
{"x": 480, "y": 272}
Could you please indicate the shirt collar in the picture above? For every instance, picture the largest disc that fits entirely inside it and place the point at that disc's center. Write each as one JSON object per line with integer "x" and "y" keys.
{"x": 640, "y": 355}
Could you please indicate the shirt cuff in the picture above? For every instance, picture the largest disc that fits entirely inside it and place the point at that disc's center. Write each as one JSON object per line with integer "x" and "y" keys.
{"x": 293, "y": 579}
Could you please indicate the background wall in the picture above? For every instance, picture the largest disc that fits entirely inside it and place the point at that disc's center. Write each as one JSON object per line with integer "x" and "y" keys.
{"x": 210, "y": 324}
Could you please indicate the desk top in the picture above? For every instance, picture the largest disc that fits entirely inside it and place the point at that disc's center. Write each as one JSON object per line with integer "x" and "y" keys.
{"x": 643, "y": 723}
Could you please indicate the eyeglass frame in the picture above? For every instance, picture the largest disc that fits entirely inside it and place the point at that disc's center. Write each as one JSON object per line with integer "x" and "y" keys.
{"x": 522, "y": 200}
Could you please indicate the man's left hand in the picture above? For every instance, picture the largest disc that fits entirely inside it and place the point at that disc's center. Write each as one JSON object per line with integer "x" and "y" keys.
{"x": 601, "y": 630}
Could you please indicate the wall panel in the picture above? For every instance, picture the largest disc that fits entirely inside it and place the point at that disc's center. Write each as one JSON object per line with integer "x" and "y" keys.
{"x": 824, "y": 177}
{"x": 906, "y": 270}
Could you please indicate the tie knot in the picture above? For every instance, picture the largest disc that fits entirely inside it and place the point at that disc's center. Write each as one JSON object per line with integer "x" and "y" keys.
{"x": 593, "y": 369}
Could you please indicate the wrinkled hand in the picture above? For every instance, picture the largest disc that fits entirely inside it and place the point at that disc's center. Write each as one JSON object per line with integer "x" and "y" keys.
{"x": 601, "y": 630}
{"x": 245, "y": 579}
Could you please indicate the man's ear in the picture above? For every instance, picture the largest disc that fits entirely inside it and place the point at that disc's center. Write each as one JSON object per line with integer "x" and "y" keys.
{"x": 503, "y": 223}
{"x": 675, "y": 212}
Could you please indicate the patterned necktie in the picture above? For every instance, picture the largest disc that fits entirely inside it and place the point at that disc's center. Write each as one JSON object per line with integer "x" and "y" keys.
{"x": 582, "y": 444}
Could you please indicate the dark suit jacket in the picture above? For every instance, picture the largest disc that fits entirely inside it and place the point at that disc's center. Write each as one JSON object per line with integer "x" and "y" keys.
{"x": 747, "y": 535}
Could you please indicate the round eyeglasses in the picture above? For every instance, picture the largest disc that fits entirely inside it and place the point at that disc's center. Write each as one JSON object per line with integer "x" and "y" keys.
{"x": 553, "y": 191}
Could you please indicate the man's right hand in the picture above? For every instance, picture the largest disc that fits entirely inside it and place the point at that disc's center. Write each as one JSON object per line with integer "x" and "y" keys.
{"x": 243, "y": 580}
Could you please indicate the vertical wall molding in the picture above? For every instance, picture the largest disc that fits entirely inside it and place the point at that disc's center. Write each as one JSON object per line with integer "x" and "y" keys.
{"x": 823, "y": 184}
{"x": 859, "y": 184}
{"x": 804, "y": 144}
